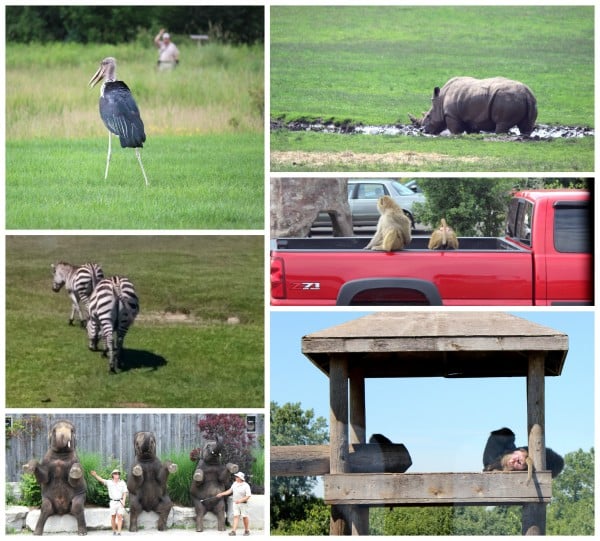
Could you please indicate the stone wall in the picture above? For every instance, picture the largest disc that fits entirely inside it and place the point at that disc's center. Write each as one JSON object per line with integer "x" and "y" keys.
{"x": 98, "y": 518}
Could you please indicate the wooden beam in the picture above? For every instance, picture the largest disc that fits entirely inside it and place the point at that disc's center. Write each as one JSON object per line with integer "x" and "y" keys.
{"x": 358, "y": 411}
{"x": 299, "y": 460}
{"x": 338, "y": 414}
{"x": 341, "y": 519}
{"x": 490, "y": 488}
{"x": 359, "y": 515}
{"x": 534, "y": 514}
{"x": 313, "y": 460}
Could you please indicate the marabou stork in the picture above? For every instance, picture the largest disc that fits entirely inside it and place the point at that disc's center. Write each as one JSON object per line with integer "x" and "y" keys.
{"x": 119, "y": 111}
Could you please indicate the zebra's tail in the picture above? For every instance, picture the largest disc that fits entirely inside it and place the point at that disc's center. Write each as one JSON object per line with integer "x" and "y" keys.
{"x": 122, "y": 300}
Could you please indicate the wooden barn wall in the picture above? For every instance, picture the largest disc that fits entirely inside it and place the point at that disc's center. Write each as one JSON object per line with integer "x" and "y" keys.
{"x": 110, "y": 435}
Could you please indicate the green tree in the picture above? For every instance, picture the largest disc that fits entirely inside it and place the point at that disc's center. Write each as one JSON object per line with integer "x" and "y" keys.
{"x": 477, "y": 206}
{"x": 419, "y": 521}
{"x": 314, "y": 520}
{"x": 118, "y": 24}
{"x": 471, "y": 206}
{"x": 572, "y": 509}
{"x": 499, "y": 520}
{"x": 291, "y": 497}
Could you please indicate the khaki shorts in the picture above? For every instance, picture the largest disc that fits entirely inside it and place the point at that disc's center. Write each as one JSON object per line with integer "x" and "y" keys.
{"x": 116, "y": 508}
{"x": 240, "y": 509}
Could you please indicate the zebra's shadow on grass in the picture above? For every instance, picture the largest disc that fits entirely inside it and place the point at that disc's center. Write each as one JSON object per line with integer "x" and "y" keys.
{"x": 137, "y": 358}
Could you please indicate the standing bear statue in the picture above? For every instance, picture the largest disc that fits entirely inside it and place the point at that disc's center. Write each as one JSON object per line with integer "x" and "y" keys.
{"x": 147, "y": 482}
{"x": 61, "y": 478}
{"x": 210, "y": 478}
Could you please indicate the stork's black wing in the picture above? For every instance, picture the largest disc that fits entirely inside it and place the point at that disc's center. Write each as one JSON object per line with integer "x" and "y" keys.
{"x": 499, "y": 443}
{"x": 121, "y": 115}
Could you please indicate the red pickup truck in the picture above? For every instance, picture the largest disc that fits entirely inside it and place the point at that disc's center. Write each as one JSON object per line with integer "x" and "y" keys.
{"x": 545, "y": 258}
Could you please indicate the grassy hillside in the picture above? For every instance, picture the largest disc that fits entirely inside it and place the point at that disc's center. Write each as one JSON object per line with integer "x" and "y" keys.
{"x": 204, "y": 153}
{"x": 377, "y": 64}
{"x": 180, "y": 352}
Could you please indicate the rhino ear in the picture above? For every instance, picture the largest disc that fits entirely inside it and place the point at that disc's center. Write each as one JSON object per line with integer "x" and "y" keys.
{"x": 436, "y": 91}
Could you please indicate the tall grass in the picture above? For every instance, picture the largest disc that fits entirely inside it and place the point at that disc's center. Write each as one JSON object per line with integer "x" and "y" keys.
{"x": 258, "y": 469}
{"x": 96, "y": 492}
{"x": 179, "y": 482}
{"x": 217, "y": 88}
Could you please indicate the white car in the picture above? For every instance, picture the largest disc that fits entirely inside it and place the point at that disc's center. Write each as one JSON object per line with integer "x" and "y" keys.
{"x": 363, "y": 195}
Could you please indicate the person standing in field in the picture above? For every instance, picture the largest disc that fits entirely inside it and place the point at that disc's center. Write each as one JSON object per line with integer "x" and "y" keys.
{"x": 241, "y": 493}
{"x": 168, "y": 54}
{"x": 117, "y": 494}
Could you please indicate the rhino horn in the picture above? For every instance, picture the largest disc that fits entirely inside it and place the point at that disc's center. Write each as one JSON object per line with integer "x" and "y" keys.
{"x": 415, "y": 121}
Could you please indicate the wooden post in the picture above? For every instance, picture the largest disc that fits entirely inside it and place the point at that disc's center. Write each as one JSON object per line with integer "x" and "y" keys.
{"x": 358, "y": 413}
{"x": 534, "y": 514}
{"x": 338, "y": 435}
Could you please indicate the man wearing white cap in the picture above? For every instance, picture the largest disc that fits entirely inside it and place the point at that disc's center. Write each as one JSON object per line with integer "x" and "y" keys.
{"x": 240, "y": 491}
{"x": 168, "y": 54}
{"x": 117, "y": 494}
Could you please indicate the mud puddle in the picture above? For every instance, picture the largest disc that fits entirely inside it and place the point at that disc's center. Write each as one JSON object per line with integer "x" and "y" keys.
{"x": 183, "y": 317}
{"x": 541, "y": 131}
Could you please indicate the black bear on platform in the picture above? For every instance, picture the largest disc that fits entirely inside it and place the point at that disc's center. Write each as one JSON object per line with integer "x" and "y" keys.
{"x": 210, "y": 478}
{"x": 147, "y": 482}
{"x": 61, "y": 478}
{"x": 501, "y": 453}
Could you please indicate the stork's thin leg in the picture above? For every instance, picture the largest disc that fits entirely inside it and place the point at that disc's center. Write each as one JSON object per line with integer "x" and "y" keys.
{"x": 107, "y": 157}
{"x": 139, "y": 157}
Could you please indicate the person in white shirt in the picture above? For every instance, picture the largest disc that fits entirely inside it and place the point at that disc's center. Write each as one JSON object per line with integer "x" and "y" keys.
{"x": 240, "y": 491}
{"x": 117, "y": 493}
{"x": 168, "y": 54}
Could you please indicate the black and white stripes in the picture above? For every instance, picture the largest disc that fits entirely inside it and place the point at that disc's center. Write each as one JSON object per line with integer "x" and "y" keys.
{"x": 79, "y": 281}
{"x": 114, "y": 306}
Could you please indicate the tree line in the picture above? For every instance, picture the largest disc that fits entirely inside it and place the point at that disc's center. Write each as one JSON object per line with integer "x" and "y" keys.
{"x": 120, "y": 24}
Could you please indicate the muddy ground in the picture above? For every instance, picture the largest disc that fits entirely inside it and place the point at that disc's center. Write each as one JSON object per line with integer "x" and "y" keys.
{"x": 541, "y": 131}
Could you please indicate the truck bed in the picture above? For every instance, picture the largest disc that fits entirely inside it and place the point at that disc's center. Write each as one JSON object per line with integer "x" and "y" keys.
{"x": 466, "y": 244}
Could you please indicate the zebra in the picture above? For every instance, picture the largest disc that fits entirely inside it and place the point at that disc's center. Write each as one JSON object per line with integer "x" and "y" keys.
{"x": 114, "y": 306}
{"x": 79, "y": 281}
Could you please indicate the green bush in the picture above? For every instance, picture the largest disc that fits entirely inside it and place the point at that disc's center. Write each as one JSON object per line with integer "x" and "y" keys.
{"x": 30, "y": 490}
{"x": 9, "y": 496}
{"x": 97, "y": 493}
{"x": 179, "y": 482}
{"x": 258, "y": 470}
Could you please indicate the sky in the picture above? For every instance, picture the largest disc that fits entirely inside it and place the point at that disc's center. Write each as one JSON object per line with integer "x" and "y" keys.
{"x": 445, "y": 423}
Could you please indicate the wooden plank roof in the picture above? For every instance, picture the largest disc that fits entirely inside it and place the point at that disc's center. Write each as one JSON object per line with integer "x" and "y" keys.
{"x": 438, "y": 344}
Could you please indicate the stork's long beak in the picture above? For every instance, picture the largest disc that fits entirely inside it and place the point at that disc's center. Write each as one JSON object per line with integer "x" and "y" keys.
{"x": 98, "y": 76}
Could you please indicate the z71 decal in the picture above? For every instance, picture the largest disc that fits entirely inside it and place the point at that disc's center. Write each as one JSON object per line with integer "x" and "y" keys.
{"x": 306, "y": 286}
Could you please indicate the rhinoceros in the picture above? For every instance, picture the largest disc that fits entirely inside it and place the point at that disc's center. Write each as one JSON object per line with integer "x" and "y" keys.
{"x": 465, "y": 104}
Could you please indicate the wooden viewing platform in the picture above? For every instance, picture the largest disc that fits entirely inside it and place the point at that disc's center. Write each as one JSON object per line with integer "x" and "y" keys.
{"x": 425, "y": 344}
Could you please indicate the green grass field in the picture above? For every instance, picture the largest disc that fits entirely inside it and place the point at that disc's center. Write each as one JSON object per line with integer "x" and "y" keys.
{"x": 377, "y": 64}
{"x": 196, "y": 182}
{"x": 204, "y": 153}
{"x": 180, "y": 352}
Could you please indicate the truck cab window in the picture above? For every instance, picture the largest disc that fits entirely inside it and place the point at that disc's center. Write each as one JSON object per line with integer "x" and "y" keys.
{"x": 572, "y": 228}
{"x": 518, "y": 223}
